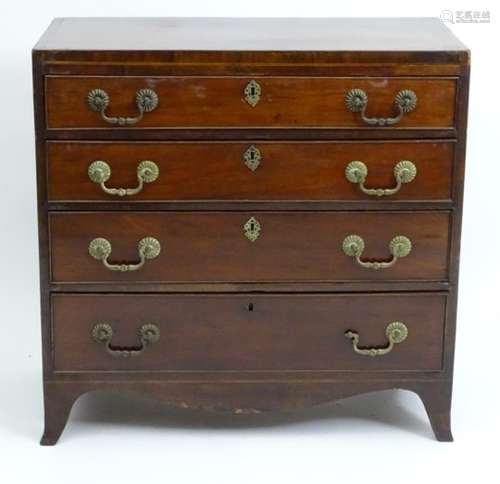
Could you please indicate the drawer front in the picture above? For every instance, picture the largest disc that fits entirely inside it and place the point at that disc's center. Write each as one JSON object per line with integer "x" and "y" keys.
{"x": 230, "y": 102}
{"x": 260, "y": 171}
{"x": 246, "y": 332}
{"x": 247, "y": 246}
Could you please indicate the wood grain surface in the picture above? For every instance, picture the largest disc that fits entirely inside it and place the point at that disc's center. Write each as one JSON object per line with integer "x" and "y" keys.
{"x": 249, "y": 332}
{"x": 288, "y": 171}
{"x": 212, "y": 247}
{"x": 218, "y": 102}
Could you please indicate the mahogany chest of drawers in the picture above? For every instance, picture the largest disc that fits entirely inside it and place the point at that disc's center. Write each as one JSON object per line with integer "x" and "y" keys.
{"x": 249, "y": 215}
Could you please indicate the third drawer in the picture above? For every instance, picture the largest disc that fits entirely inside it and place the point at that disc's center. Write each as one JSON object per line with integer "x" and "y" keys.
{"x": 256, "y": 246}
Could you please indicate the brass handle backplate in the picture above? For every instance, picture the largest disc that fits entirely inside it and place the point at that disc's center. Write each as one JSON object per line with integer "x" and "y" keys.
{"x": 404, "y": 172}
{"x": 399, "y": 247}
{"x": 100, "y": 172}
{"x": 149, "y": 334}
{"x": 146, "y": 101}
{"x": 357, "y": 102}
{"x": 252, "y": 93}
{"x": 148, "y": 248}
{"x": 396, "y": 332}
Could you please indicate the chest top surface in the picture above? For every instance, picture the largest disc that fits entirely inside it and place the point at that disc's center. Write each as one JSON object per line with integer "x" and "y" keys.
{"x": 250, "y": 34}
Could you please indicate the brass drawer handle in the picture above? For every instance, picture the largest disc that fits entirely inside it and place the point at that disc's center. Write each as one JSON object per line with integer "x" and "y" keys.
{"x": 252, "y": 93}
{"x": 353, "y": 246}
{"x": 146, "y": 101}
{"x": 404, "y": 172}
{"x": 396, "y": 333}
{"x": 100, "y": 172}
{"x": 149, "y": 334}
{"x": 148, "y": 248}
{"x": 357, "y": 101}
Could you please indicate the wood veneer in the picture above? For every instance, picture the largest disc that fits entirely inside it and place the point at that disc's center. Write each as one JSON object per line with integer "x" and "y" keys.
{"x": 287, "y": 102}
{"x": 212, "y": 247}
{"x": 250, "y": 332}
{"x": 199, "y": 67}
{"x": 288, "y": 171}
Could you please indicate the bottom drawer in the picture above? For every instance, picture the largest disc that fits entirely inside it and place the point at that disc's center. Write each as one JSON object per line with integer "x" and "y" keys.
{"x": 248, "y": 332}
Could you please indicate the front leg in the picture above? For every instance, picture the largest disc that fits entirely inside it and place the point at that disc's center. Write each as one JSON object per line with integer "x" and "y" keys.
{"x": 437, "y": 402}
{"x": 58, "y": 401}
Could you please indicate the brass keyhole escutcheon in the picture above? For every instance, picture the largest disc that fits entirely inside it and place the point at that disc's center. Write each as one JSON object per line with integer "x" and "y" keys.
{"x": 252, "y": 157}
{"x": 252, "y": 229}
{"x": 252, "y": 93}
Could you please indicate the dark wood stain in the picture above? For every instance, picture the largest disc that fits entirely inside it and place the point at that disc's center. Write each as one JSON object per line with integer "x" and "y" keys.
{"x": 276, "y": 334}
{"x": 207, "y": 102}
{"x": 312, "y": 171}
{"x": 212, "y": 247}
{"x": 289, "y": 351}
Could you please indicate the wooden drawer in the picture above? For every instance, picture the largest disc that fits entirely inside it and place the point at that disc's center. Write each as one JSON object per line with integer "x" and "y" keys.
{"x": 247, "y": 332}
{"x": 259, "y": 171}
{"x": 219, "y": 102}
{"x": 214, "y": 246}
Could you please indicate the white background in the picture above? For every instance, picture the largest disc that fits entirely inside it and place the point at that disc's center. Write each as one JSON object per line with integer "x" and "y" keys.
{"x": 383, "y": 437}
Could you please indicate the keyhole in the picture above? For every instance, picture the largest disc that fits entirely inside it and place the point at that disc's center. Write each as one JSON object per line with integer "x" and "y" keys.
{"x": 252, "y": 90}
{"x": 250, "y": 306}
{"x": 252, "y": 227}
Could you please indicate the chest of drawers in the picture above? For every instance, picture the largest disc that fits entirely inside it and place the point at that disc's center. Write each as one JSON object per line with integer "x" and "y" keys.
{"x": 249, "y": 215}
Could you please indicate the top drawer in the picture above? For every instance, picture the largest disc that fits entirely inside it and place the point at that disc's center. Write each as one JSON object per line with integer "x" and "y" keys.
{"x": 75, "y": 102}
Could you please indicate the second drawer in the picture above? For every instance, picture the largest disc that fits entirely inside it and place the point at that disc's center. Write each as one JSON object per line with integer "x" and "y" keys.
{"x": 215, "y": 247}
{"x": 259, "y": 171}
